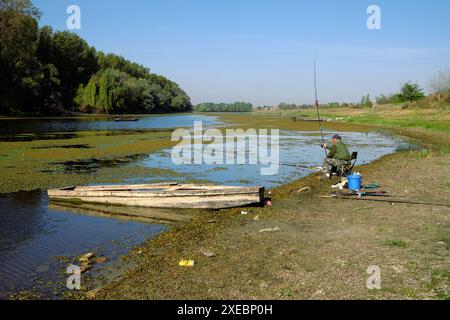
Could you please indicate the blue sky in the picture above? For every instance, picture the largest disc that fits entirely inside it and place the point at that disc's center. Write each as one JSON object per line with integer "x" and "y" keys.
{"x": 262, "y": 51}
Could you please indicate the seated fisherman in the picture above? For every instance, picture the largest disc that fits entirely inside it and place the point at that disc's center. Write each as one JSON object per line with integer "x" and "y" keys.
{"x": 339, "y": 156}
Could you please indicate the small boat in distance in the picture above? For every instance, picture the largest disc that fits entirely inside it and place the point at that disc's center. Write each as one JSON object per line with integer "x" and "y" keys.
{"x": 119, "y": 119}
{"x": 163, "y": 195}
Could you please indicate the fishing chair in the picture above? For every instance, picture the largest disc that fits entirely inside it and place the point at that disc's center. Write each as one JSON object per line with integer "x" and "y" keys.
{"x": 344, "y": 169}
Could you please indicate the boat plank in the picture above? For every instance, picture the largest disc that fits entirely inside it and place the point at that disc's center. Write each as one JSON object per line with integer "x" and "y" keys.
{"x": 163, "y": 196}
{"x": 127, "y": 187}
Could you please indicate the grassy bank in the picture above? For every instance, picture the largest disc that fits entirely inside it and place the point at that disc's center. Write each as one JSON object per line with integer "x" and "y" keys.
{"x": 393, "y": 116}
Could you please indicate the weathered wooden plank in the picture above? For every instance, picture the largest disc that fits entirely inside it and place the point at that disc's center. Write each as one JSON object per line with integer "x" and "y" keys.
{"x": 176, "y": 196}
{"x": 126, "y": 187}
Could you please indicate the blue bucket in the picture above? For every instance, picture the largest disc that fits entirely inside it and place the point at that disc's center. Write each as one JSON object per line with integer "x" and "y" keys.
{"x": 354, "y": 182}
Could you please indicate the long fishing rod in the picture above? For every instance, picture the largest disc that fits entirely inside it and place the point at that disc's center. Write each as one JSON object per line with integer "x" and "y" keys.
{"x": 317, "y": 103}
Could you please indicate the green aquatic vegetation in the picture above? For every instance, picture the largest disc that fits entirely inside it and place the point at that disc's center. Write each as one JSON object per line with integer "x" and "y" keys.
{"x": 43, "y": 164}
{"x": 264, "y": 121}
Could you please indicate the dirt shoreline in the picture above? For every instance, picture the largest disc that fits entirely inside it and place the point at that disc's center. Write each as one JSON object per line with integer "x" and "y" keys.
{"x": 317, "y": 249}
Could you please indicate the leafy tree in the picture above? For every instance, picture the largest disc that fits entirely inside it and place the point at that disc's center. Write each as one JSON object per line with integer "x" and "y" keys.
{"x": 112, "y": 61}
{"x": 18, "y": 62}
{"x": 24, "y": 7}
{"x": 75, "y": 61}
{"x": 58, "y": 72}
{"x": 411, "y": 92}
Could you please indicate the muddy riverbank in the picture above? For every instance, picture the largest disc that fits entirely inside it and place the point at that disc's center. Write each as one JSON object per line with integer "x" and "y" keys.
{"x": 306, "y": 247}
{"x": 212, "y": 239}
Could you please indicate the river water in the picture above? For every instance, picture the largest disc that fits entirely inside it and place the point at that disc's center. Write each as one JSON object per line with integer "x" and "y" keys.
{"x": 32, "y": 235}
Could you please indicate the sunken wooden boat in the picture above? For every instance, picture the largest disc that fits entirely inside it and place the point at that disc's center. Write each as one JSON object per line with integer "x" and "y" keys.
{"x": 167, "y": 195}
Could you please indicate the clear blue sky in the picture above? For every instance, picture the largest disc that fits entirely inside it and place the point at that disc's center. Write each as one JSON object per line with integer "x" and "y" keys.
{"x": 262, "y": 51}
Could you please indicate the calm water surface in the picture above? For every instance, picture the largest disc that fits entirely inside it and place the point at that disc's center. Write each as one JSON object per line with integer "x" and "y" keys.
{"x": 36, "y": 126}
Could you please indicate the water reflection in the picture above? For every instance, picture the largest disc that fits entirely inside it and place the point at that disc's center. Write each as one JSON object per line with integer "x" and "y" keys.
{"x": 45, "y": 126}
{"x": 299, "y": 148}
{"x": 31, "y": 236}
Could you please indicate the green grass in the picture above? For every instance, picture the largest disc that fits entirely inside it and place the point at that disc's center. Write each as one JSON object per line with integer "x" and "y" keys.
{"x": 415, "y": 122}
{"x": 422, "y": 154}
{"x": 396, "y": 243}
{"x": 434, "y": 120}
{"x": 439, "y": 280}
{"x": 286, "y": 293}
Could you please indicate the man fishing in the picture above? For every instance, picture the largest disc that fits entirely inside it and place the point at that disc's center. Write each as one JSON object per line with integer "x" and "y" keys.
{"x": 338, "y": 157}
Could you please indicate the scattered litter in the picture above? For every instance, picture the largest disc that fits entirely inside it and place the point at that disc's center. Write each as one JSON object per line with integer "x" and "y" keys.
{"x": 269, "y": 230}
{"x": 86, "y": 261}
{"x": 341, "y": 185}
{"x": 86, "y": 257}
{"x": 244, "y": 213}
{"x": 211, "y": 221}
{"x": 186, "y": 263}
{"x": 268, "y": 203}
{"x": 208, "y": 253}
{"x": 307, "y": 188}
{"x": 256, "y": 218}
{"x": 101, "y": 260}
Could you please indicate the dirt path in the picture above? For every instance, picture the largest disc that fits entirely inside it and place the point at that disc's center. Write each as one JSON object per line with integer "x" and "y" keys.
{"x": 322, "y": 248}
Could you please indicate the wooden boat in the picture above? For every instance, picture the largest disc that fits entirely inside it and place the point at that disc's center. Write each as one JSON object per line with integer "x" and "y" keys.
{"x": 126, "y": 119}
{"x": 166, "y": 195}
{"x": 310, "y": 120}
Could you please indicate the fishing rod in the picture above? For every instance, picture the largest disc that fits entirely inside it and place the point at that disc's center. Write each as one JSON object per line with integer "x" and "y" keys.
{"x": 293, "y": 165}
{"x": 387, "y": 200}
{"x": 319, "y": 119}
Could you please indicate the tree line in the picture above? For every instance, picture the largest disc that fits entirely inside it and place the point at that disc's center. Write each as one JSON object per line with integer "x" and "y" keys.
{"x": 48, "y": 72}
{"x": 224, "y": 107}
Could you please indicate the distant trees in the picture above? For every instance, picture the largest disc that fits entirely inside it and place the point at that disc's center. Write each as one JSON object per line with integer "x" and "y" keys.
{"x": 224, "y": 107}
{"x": 411, "y": 92}
{"x": 391, "y": 98}
{"x": 46, "y": 72}
{"x": 292, "y": 106}
{"x": 115, "y": 91}
{"x": 440, "y": 83}
{"x": 366, "y": 101}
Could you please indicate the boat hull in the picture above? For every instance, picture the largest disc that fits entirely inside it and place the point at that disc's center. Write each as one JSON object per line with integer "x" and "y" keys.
{"x": 173, "y": 196}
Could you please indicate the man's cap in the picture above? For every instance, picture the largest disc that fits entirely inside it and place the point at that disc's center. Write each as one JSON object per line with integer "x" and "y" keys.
{"x": 338, "y": 137}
